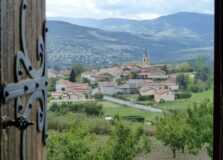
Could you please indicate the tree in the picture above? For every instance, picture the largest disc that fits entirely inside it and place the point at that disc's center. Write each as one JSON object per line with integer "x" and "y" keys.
{"x": 76, "y": 72}
{"x": 164, "y": 68}
{"x": 132, "y": 75}
{"x": 72, "y": 76}
{"x": 99, "y": 96}
{"x": 200, "y": 120}
{"x": 183, "y": 81}
{"x": 52, "y": 84}
{"x": 171, "y": 132}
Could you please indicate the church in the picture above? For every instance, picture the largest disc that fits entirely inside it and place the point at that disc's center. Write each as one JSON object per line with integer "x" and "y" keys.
{"x": 144, "y": 65}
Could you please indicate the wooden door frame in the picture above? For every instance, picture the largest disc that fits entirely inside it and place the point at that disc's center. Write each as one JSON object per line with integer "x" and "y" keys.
{"x": 218, "y": 104}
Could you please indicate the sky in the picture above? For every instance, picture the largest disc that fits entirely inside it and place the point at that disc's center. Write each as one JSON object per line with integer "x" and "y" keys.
{"x": 131, "y": 9}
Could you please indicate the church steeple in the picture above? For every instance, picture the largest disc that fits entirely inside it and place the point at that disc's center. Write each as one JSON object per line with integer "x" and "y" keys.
{"x": 146, "y": 58}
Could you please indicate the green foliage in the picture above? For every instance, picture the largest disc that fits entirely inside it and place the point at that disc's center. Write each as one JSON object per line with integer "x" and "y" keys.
{"x": 183, "y": 95}
{"x": 120, "y": 96}
{"x": 76, "y": 72}
{"x": 125, "y": 142}
{"x": 200, "y": 120}
{"x": 90, "y": 108}
{"x": 171, "y": 131}
{"x": 132, "y": 75}
{"x": 192, "y": 129}
{"x": 78, "y": 141}
{"x": 101, "y": 127}
{"x": 121, "y": 81}
{"x": 183, "y": 81}
{"x": 199, "y": 86}
{"x": 134, "y": 118}
{"x": 52, "y": 84}
{"x": 99, "y": 96}
{"x": 145, "y": 98}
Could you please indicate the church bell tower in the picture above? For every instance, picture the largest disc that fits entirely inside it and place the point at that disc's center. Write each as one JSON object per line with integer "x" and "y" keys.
{"x": 146, "y": 60}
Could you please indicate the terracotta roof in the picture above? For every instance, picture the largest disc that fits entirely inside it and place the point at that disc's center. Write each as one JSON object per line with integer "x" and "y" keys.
{"x": 75, "y": 86}
{"x": 146, "y": 88}
{"x": 158, "y": 70}
{"x": 144, "y": 73}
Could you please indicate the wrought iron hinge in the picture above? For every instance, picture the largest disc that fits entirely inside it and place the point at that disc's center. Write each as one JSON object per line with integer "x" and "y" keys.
{"x": 35, "y": 88}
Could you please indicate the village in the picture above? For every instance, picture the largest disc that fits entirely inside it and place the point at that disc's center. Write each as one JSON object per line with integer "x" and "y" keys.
{"x": 142, "y": 78}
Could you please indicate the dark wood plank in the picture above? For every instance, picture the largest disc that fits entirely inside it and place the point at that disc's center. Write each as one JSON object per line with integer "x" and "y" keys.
{"x": 9, "y": 46}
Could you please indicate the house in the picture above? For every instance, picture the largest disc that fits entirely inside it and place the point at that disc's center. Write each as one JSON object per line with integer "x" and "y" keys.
{"x": 67, "y": 86}
{"x": 68, "y": 96}
{"x": 172, "y": 86}
{"x": 103, "y": 77}
{"x": 52, "y": 73}
{"x": 124, "y": 89}
{"x": 114, "y": 71}
{"x": 164, "y": 95}
{"x": 143, "y": 75}
{"x": 147, "y": 91}
{"x": 136, "y": 83}
{"x": 89, "y": 75}
{"x": 107, "y": 88}
{"x": 64, "y": 72}
{"x": 158, "y": 72}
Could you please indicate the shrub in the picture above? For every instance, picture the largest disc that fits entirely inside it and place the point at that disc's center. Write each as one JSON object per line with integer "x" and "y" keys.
{"x": 150, "y": 132}
{"x": 99, "y": 96}
{"x": 101, "y": 127}
{"x": 90, "y": 108}
{"x": 145, "y": 98}
{"x": 119, "y": 96}
{"x": 200, "y": 86}
{"x": 134, "y": 118}
{"x": 183, "y": 95}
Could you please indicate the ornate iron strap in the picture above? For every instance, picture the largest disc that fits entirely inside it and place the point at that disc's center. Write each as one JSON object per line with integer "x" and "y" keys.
{"x": 34, "y": 88}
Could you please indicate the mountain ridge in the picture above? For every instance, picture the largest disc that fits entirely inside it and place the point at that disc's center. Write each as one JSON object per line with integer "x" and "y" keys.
{"x": 168, "y": 38}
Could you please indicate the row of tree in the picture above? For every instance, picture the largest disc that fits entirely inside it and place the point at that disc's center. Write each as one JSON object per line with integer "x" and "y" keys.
{"x": 192, "y": 129}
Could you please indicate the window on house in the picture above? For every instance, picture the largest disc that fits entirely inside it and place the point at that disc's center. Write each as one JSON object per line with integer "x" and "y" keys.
{"x": 127, "y": 40}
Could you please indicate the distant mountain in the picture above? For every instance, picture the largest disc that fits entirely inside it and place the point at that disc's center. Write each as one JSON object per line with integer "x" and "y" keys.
{"x": 169, "y": 38}
{"x": 193, "y": 22}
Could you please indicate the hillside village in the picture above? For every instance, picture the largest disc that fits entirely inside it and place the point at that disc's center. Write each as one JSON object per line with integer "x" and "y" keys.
{"x": 141, "y": 78}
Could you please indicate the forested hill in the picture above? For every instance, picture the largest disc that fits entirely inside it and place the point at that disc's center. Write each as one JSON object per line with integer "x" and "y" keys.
{"x": 169, "y": 38}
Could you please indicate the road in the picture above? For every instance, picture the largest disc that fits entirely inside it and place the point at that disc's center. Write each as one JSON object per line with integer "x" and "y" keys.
{"x": 132, "y": 104}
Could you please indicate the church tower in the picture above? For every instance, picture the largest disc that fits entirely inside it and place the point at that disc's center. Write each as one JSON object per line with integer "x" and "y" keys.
{"x": 146, "y": 60}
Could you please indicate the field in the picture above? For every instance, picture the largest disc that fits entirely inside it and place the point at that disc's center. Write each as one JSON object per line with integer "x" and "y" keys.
{"x": 179, "y": 104}
{"x": 185, "y": 103}
{"x": 115, "y": 109}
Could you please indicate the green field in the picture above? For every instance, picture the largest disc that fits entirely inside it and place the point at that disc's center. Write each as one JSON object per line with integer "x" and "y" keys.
{"x": 179, "y": 103}
{"x": 185, "y": 103}
{"x": 116, "y": 109}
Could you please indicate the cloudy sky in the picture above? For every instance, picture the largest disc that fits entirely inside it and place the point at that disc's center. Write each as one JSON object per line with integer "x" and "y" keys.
{"x": 132, "y": 9}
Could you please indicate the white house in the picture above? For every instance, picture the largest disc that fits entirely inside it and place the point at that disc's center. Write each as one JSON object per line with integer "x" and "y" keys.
{"x": 147, "y": 91}
{"x": 166, "y": 95}
{"x": 107, "y": 87}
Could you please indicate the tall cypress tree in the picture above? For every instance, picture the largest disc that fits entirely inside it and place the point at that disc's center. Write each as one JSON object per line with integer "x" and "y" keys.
{"x": 72, "y": 76}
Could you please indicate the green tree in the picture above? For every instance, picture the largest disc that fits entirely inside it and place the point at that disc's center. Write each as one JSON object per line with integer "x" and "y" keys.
{"x": 171, "y": 132}
{"x": 52, "y": 84}
{"x": 183, "y": 81}
{"x": 132, "y": 75}
{"x": 165, "y": 68}
{"x": 200, "y": 120}
{"x": 76, "y": 72}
